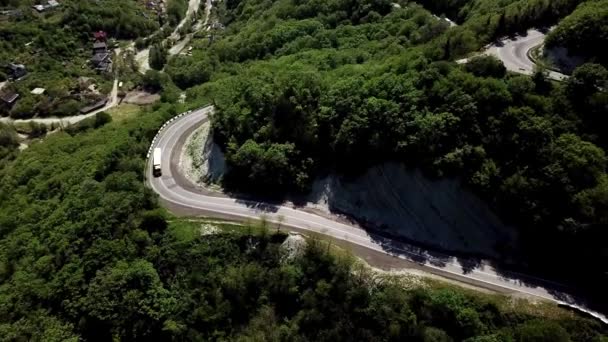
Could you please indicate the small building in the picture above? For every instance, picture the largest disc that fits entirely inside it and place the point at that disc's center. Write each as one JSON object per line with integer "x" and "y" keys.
{"x": 8, "y": 97}
{"x": 16, "y": 71}
{"x": 102, "y": 62}
{"x": 101, "y": 57}
{"x": 38, "y": 91}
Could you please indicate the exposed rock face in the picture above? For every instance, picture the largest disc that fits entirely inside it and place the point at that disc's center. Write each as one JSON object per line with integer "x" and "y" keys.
{"x": 401, "y": 202}
{"x": 293, "y": 246}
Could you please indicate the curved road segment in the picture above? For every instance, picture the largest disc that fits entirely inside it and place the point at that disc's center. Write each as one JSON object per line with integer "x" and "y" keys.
{"x": 177, "y": 193}
{"x": 514, "y": 53}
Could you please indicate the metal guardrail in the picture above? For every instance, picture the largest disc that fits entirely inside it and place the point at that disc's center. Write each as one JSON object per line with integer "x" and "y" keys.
{"x": 585, "y": 311}
{"x": 167, "y": 123}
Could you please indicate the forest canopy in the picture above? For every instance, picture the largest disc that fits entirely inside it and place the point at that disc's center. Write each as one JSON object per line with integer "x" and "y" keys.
{"x": 299, "y": 93}
{"x": 303, "y": 88}
{"x": 584, "y": 32}
{"x": 106, "y": 263}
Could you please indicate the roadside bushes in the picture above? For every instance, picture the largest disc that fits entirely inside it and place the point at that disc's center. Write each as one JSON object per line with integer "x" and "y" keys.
{"x": 486, "y": 66}
{"x": 93, "y": 122}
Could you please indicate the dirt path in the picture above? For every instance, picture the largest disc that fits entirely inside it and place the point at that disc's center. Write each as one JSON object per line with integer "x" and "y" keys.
{"x": 142, "y": 57}
{"x": 179, "y": 46}
{"x": 193, "y": 6}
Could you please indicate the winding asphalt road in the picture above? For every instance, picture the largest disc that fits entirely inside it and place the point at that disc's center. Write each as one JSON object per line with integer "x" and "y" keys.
{"x": 176, "y": 193}
{"x": 514, "y": 53}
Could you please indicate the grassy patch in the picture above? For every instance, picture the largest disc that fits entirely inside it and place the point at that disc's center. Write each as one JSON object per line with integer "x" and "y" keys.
{"x": 124, "y": 111}
{"x": 509, "y": 304}
{"x": 28, "y": 127}
{"x": 187, "y": 229}
{"x": 184, "y": 230}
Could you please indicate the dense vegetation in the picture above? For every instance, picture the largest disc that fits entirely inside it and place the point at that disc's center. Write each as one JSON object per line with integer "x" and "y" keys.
{"x": 482, "y": 21}
{"x": 301, "y": 92}
{"x": 104, "y": 264}
{"x": 584, "y": 31}
{"x": 9, "y": 142}
{"x": 302, "y": 87}
{"x": 176, "y": 9}
{"x": 486, "y": 20}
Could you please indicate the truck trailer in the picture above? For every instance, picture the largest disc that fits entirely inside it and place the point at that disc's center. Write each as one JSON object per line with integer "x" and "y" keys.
{"x": 156, "y": 162}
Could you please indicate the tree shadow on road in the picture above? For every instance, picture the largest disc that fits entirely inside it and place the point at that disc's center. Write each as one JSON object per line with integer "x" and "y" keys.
{"x": 431, "y": 256}
{"x": 259, "y": 206}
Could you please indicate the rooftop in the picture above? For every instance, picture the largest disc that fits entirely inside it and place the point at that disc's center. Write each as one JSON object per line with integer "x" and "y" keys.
{"x": 100, "y": 57}
{"x": 9, "y": 97}
{"x": 99, "y": 45}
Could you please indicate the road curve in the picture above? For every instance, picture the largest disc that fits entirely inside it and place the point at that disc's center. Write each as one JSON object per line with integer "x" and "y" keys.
{"x": 175, "y": 194}
{"x": 514, "y": 53}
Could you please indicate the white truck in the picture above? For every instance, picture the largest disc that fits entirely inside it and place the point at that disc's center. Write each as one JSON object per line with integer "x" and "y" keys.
{"x": 156, "y": 162}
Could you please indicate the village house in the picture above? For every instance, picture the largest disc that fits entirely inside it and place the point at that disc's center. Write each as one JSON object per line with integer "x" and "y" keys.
{"x": 8, "y": 97}
{"x": 101, "y": 59}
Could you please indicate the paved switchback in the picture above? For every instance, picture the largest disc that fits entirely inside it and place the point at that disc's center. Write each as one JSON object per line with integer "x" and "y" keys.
{"x": 515, "y": 53}
{"x": 175, "y": 193}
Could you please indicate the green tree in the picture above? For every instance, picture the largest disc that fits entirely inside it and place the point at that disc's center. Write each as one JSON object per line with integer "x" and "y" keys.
{"x": 8, "y": 136}
{"x": 576, "y": 164}
{"x": 587, "y": 80}
{"x": 158, "y": 56}
{"x": 24, "y": 108}
{"x": 486, "y": 66}
{"x": 176, "y": 10}
{"x": 541, "y": 331}
{"x": 432, "y": 334}
{"x": 153, "y": 80}
{"x": 130, "y": 297}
